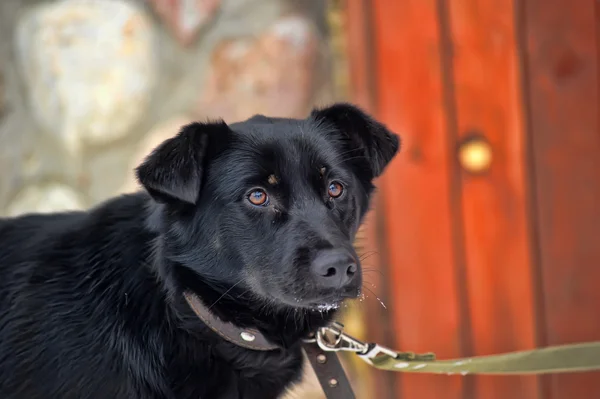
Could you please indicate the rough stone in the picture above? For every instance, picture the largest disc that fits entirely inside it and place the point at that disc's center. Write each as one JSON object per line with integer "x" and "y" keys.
{"x": 185, "y": 18}
{"x": 106, "y": 171}
{"x": 89, "y": 67}
{"x": 272, "y": 74}
{"x": 157, "y": 135}
{"x": 45, "y": 199}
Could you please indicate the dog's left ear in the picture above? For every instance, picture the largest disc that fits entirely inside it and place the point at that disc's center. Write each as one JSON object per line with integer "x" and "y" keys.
{"x": 361, "y": 133}
{"x": 173, "y": 172}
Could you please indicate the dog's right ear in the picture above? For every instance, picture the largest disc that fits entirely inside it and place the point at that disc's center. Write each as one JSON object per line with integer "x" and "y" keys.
{"x": 174, "y": 170}
{"x": 362, "y": 136}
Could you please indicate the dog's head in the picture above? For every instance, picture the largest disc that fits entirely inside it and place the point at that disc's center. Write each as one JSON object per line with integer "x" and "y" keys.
{"x": 271, "y": 205}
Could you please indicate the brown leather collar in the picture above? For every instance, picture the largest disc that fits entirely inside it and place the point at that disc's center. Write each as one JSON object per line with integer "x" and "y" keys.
{"x": 248, "y": 338}
{"x": 327, "y": 366}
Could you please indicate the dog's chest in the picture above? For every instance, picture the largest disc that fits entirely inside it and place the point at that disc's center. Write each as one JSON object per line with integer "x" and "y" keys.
{"x": 238, "y": 373}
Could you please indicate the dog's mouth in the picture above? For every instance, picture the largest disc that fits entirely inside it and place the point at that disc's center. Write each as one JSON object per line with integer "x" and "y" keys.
{"x": 303, "y": 297}
{"x": 325, "y": 303}
{"x": 326, "y": 306}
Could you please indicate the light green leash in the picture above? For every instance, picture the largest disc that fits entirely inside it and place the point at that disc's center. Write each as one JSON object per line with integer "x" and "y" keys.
{"x": 552, "y": 359}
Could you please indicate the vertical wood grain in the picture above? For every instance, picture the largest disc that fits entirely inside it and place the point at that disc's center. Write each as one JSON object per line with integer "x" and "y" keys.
{"x": 494, "y": 205}
{"x": 359, "y": 22}
{"x": 416, "y": 191}
{"x": 563, "y": 68}
{"x": 359, "y": 33}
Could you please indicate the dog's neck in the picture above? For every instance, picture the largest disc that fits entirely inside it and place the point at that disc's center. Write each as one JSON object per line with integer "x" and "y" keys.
{"x": 248, "y": 338}
{"x": 283, "y": 326}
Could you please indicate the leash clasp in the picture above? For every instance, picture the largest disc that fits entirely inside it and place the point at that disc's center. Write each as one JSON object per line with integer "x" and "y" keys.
{"x": 378, "y": 350}
{"x": 333, "y": 339}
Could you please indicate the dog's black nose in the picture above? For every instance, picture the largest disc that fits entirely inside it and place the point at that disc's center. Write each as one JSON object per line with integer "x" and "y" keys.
{"x": 334, "y": 268}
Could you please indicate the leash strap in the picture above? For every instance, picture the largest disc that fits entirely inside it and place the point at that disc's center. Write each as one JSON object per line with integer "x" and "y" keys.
{"x": 329, "y": 371}
{"x": 322, "y": 346}
{"x": 553, "y": 359}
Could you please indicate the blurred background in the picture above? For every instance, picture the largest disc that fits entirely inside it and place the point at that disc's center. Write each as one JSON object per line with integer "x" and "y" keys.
{"x": 485, "y": 235}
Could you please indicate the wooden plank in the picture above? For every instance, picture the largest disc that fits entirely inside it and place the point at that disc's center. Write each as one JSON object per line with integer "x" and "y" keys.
{"x": 371, "y": 241}
{"x": 494, "y": 204}
{"x": 425, "y": 312}
{"x": 376, "y": 287}
{"x": 359, "y": 23}
{"x": 562, "y": 40}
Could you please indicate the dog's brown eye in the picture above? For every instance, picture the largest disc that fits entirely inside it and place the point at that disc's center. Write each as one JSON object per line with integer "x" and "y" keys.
{"x": 258, "y": 197}
{"x": 335, "y": 189}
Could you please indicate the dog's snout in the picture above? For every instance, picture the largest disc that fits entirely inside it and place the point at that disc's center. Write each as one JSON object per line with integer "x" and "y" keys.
{"x": 334, "y": 268}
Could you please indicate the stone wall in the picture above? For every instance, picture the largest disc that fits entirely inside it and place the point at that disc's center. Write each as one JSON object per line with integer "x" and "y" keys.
{"x": 88, "y": 87}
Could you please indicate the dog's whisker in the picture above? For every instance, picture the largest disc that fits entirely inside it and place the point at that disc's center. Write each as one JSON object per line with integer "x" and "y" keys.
{"x": 367, "y": 255}
{"x": 225, "y": 293}
{"x": 365, "y": 271}
{"x": 241, "y": 296}
{"x": 376, "y": 297}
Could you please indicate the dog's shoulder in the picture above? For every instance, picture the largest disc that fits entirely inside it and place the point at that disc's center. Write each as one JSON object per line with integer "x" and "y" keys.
{"x": 38, "y": 236}
{"x": 68, "y": 282}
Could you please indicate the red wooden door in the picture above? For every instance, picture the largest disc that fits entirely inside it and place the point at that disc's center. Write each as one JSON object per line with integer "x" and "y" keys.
{"x": 506, "y": 258}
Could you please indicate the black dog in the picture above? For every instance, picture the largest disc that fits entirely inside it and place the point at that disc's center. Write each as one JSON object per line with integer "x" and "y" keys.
{"x": 256, "y": 218}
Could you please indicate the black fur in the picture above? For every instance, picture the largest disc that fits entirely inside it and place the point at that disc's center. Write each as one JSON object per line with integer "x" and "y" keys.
{"x": 91, "y": 303}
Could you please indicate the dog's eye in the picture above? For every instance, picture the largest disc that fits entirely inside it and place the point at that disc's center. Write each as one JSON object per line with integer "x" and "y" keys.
{"x": 335, "y": 189}
{"x": 258, "y": 197}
